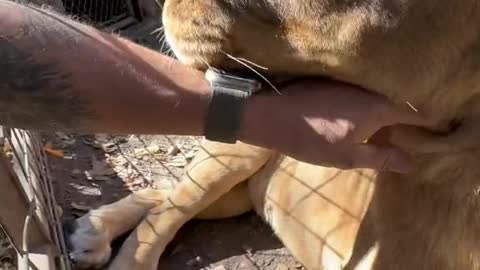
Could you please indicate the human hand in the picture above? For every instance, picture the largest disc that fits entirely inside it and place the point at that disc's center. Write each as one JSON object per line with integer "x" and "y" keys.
{"x": 327, "y": 123}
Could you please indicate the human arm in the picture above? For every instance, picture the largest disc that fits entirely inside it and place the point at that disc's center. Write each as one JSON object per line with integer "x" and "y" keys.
{"x": 325, "y": 122}
{"x": 60, "y": 74}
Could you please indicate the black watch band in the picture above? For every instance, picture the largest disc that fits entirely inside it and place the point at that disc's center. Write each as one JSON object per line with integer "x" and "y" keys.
{"x": 228, "y": 96}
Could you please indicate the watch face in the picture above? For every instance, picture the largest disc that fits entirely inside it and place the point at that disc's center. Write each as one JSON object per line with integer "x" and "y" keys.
{"x": 216, "y": 77}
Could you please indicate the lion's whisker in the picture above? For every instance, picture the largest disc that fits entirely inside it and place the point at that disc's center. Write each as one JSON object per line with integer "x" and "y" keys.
{"x": 411, "y": 106}
{"x": 252, "y": 63}
{"x": 206, "y": 63}
{"x": 158, "y": 30}
{"x": 159, "y": 4}
{"x": 163, "y": 42}
{"x": 253, "y": 70}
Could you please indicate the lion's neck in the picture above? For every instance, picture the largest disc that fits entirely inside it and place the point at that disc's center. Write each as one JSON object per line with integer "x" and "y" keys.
{"x": 439, "y": 221}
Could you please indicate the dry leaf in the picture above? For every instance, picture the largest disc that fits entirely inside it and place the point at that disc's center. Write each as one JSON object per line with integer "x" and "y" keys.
{"x": 190, "y": 155}
{"x": 6, "y": 147}
{"x": 75, "y": 173}
{"x": 80, "y": 207}
{"x": 98, "y": 142}
{"x": 194, "y": 262}
{"x": 67, "y": 140}
{"x": 54, "y": 153}
{"x": 62, "y": 135}
{"x": 137, "y": 182}
{"x": 177, "y": 163}
{"x": 7, "y": 150}
{"x": 173, "y": 150}
{"x": 100, "y": 137}
{"x": 102, "y": 178}
{"x": 100, "y": 170}
{"x": 153, "y": 149}
{"x": 59, "y": 210}
{"x": 108, "y": 147}
{"x": 87, "y": 190}
{"x": 69, "y": 156}
{"x": 88, "y": 141}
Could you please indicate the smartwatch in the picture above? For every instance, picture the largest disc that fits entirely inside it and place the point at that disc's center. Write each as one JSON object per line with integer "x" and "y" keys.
{"x": 228, "y": 94}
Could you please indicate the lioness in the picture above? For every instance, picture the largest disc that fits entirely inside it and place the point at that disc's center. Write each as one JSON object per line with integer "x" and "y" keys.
{"x": 421, "y": 52}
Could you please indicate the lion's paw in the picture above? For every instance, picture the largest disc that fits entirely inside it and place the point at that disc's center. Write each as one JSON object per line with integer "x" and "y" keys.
{"x": 88, "y": 243}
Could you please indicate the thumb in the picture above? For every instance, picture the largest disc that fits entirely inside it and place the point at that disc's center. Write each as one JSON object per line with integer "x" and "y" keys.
{"x": 382, "y": 158}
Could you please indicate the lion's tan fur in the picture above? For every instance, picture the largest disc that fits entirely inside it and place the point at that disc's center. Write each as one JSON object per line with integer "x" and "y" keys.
{"x": 422, "y": 52}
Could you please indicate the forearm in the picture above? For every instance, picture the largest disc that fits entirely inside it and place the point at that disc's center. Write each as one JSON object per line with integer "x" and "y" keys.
{"x": 58, "y": 74}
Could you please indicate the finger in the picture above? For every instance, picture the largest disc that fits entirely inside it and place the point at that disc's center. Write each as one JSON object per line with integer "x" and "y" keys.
{"x": 382, "y": 158}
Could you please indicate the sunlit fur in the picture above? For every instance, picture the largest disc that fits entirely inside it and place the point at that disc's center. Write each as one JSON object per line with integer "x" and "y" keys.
{"x": 424, "y": 53}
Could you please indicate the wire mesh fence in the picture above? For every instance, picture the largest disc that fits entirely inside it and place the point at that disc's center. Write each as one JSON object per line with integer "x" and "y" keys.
{"x": 30, "y": 217}
{"x": 99, "y": 13}
{"x": 29, "y": 171}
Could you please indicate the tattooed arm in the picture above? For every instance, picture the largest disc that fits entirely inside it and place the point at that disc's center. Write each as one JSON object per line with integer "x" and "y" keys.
{"x": 59, "y": 74}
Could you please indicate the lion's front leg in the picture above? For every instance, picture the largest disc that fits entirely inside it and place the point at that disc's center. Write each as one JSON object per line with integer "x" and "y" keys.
{"x": 92, "y": 233}
{"x": 216, "y": 169}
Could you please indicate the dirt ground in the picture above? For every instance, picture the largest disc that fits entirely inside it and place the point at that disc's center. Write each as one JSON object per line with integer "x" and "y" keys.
{"x": 92, "y": 170}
